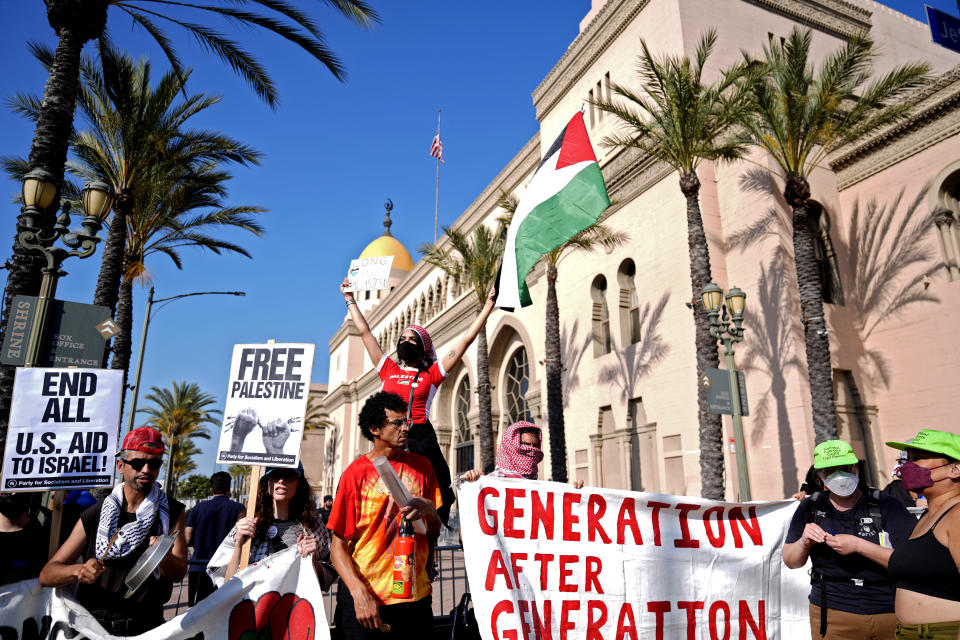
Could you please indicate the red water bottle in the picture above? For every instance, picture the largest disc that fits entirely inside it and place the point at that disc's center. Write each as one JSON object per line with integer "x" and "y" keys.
{"x": 404, "y": 561}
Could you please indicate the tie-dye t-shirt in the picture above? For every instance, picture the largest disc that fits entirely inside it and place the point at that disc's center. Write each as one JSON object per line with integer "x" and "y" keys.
{"x": 364, "y": 514}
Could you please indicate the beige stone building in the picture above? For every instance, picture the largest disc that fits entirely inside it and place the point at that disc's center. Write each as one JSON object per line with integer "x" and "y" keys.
{"x": 627, "y": 334}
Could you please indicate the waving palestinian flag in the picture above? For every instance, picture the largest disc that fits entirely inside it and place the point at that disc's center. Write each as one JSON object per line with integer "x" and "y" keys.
{"x": 565, "y": 196}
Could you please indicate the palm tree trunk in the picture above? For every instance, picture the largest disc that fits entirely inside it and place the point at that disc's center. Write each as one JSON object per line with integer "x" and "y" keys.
{"x": 711, "y": 427}
{"x": 819, "y": 368}
{"x": 122, "y": 342}
{"x": 487, "y": 459}
{"x": 555, "y": 426}
{"x": 112, "y": 263}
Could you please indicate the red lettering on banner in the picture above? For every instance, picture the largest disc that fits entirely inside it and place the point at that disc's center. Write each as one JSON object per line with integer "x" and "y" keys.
{"x": 656, "y": 506}
{"x": 542, "y": 630}
{"x": 717, "y": 606}
{"x": 489, "y": 528}
{"x": 593, "y": 570}
{"x": 594, "y": 626}
{"x": 596, "y": 507}
{"x": 716, "y": 539}
{"x": 659, "y": 607}
{"x": 540, "y": 557}
{"x": 523, "y": 606}
{"x": 691, "y": 609}
{"x": 686, "y": 542}
{"x": 541, "y": 514}
{"x": 511, "y": 512}
{"x": 517, "y": 569}
{"x": 504, "y": 606}
{"x": 569, "y": 499}
{"x": 628, "y": 518}
{"x": 497, "y": 568}
{"x": 565, "y": 624}
{"x": 564, "y": 572}
{"x": 752, "y": 529}
{"x": 626, "y": 611}
{"x": 759, "y": 629}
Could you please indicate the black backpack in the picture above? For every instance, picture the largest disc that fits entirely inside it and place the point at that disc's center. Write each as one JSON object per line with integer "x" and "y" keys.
{"x": 464, "y": 621}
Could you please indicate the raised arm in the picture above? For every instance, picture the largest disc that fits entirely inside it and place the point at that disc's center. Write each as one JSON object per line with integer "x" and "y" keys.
{"x": 371, "y": 344}
{"x": 453, "y": 358}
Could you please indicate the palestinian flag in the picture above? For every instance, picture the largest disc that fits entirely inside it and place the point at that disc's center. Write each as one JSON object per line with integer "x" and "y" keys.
{"x": 565, "y": 196}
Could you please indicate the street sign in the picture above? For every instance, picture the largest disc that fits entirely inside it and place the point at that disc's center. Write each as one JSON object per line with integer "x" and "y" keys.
{"x": 719, "y": 399}
{"x": 76, "y": 333}
{"x": 945, "y": 28}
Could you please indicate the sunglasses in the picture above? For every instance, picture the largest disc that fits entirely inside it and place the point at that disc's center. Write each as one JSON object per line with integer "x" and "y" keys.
{"x": 137, "y": 463}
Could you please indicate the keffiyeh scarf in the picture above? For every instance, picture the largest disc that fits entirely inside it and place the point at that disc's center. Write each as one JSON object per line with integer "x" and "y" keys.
{"x": 515, "y": 459}
{"x": 133, "y": 533}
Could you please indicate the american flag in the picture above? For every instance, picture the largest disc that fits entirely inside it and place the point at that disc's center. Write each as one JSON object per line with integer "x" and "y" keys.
{"x": 436, "y": 148}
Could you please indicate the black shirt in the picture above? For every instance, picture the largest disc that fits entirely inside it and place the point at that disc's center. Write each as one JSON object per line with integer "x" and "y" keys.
{"x": 211, "y": 521}
{"x": 23, "y": 553}
{"x": 876, "y": 595}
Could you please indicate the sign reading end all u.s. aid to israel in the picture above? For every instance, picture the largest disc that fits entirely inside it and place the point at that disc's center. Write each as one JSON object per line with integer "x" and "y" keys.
{"x": 263, "y": 419}
{"x": 63, "y": 429}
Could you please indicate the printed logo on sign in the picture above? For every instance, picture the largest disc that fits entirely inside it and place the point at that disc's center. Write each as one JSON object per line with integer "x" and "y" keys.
{"x": 108, "y": 328}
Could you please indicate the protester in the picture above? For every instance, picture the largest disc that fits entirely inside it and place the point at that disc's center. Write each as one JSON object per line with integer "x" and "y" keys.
{"x": 325, "y": 509}
{"x": 519, "y": 454}
{"x": 285, "y": 517}
{"x": 926, "y": 567}
{"x": 415, "y": 377}
{"x": 207, "y": 525}
{"x": 895, "y": 488}
{"x": 848, "y": 531}
{"x": 811, "y": 484}
{"x": 365, "y": 522}
{"x": 23, "y": 540}
{"x": 112, "y": 535}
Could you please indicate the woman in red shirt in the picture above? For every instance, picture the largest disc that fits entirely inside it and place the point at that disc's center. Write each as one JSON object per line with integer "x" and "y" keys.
{"x": 415, "y": 377}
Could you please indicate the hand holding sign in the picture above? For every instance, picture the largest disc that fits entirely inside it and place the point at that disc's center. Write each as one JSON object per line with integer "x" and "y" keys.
{"x": 368, "y": 274}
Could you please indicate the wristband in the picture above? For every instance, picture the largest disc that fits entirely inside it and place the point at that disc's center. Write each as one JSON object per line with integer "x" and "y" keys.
{"x": 351, "y": 301}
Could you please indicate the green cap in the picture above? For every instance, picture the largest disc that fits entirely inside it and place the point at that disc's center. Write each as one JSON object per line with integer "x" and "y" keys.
{"x": 833, "y": 453}
{"x": 942, "y": 442}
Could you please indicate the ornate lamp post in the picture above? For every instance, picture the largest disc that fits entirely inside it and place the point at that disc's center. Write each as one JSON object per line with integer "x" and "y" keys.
{"x": 40, "y": 202}
{"x": 722, "y": 329}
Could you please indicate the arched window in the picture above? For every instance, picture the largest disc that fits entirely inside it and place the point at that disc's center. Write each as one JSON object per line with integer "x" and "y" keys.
{"x": 431, "y": 310}
{"x": 818, "y": 221}
{"x": 440, "y": 298}
{"x": 465, "y": 444}
{"x": 601, "y": 317}
{"x": 517, "y": 382}
{"x": 422, "y": 317}
{"x": 946, "y": 216}
{"x": 629, "y": 303}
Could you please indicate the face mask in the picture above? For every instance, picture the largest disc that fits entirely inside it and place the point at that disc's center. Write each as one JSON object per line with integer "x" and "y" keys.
{"x": 916, "y": 477}
{"x": 842, "y": 483}
{"x": 409, "y": 352}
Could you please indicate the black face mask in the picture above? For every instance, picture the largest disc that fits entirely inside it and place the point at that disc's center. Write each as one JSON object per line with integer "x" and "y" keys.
{"x": 14, "y": 506}
{"x": 409, "y": 352}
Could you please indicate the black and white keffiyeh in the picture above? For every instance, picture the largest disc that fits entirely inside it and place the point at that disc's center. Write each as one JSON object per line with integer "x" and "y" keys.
{"x": 133, "y": 533}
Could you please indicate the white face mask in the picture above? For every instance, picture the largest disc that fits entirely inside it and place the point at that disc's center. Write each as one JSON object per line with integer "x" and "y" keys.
{"x": 842, "y": 483}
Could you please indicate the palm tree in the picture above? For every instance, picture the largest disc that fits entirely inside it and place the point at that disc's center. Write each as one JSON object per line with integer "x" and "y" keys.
{"x": 316, "y": 417}
{"x": 679, "y": 120}
{"x": 240, "y": 473}
{"x": 473, "y": 262}
{"x": 77, "y": 21}
{"x": 180, "y": 414}
{"x": 800, "y": 114}
{"x": 594, "y": 237}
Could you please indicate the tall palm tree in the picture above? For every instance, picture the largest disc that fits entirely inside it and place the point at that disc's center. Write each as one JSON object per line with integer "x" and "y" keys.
{"x": 77, "y": 21}
{"x": 180, "y": 414}
{"x": 316, "y": 416}
{"x": 596, "y": 236}
{"x": 682, "y": 121}
{"x": 800, "y": 114}
{"x": 240, "y": 474}
{"x": 473, "y": 262}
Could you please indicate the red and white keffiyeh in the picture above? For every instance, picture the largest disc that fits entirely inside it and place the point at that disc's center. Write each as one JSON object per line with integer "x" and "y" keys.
{"x": 515, "y": 459}
{"x": 429, "y": 355}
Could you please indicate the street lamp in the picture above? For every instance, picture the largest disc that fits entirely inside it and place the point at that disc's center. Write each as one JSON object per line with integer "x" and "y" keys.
{"x": 40, "y": 203}
{"x": 721, "y": 329}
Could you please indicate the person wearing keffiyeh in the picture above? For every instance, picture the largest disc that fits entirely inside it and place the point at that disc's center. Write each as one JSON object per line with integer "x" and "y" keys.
{"x": 113, "y": 534}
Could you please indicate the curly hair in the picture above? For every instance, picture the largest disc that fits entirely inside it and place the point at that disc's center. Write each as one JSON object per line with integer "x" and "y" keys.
{"x": 302, "y": 507}
{"x": 373, "y": 413}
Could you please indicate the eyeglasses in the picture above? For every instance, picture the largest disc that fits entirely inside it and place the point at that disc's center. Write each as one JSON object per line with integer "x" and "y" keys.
{"x": 399, "y": 422}
{"x": 137, "y": 463}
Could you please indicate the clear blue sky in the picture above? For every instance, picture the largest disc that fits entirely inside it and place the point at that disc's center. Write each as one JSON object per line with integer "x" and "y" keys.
{"x": 333, "y": 152}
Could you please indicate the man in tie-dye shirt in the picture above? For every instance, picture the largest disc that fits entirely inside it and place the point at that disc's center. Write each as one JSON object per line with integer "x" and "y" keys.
{"x": 365, "y": 523}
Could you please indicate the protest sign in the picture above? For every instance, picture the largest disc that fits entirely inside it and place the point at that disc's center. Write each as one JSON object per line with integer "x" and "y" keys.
{"x": 279, "y": 597}
{"x": 369, "y": 274}
{"x": 266, "y": 403}
{"x": 63, "y": 429}
{"x": 545, "y": 560}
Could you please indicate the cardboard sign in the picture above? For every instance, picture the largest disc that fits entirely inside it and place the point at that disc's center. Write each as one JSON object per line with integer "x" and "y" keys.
{"x": 266, "y": 403}
{"x": 370, "y": 274}
{"x": 63, "y": 429}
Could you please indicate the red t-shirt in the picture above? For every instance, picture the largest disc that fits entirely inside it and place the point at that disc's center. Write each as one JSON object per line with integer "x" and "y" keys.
{"x": 365, "y": 515}
{"x": 396, "y": 379}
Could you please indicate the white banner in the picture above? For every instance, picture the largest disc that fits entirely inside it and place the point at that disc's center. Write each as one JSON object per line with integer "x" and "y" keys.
{"x": 546, "y": 560}
{"x": 63, "y": 429}
{"x": 266, "y": 403}
{"x": 369, "y": 274}
{"x": 278, "y": 597}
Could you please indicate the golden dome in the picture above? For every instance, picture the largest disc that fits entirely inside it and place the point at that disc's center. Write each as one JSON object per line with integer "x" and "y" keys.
{"x": 389, "y": 246}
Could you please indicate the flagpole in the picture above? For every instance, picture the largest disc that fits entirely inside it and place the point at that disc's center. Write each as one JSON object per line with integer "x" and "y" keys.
{"x": 436, "y": 205}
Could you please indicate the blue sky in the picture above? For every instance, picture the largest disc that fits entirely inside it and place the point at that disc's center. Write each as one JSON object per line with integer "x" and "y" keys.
{"x": 333, "y": 152}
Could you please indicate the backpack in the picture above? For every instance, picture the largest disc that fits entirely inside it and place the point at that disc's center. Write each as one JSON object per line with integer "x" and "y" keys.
{"x": 816, "y": 510}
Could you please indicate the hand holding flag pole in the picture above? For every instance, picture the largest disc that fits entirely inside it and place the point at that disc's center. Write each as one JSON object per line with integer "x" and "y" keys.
{"x": 436, "y": 150}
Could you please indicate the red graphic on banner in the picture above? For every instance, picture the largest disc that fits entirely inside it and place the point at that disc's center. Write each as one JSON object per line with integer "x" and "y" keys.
{"x": 273, "y": 617}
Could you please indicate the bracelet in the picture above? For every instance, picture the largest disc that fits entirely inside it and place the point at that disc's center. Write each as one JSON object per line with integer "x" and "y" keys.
{"x": 351, "y": 301}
